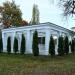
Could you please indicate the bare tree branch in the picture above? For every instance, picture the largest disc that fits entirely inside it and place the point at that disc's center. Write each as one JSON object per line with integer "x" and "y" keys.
{"x": 69, "y": 7}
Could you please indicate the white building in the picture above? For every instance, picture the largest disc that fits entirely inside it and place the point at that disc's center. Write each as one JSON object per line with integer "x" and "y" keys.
{"x": 45, "y": 30}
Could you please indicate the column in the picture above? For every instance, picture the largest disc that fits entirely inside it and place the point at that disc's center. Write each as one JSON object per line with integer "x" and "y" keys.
{"x": 12, "y": 41}
{"x": 69, "y": 38}
{"x": 56, "y": 49}
{"x": 19, "y": 41}
{"x": 31, "y": 41}
{"x": 4, "y": 41}
{"x": 28, "y": 42}
{"x": 47, "y": 39}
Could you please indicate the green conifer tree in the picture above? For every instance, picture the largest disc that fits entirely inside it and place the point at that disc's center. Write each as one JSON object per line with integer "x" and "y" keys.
{"x": 35, "y": 44}
{"x": 73, "y": 46}
{"x": 15, "y": 48}
{"x": 1, "y": 45}
{"x": 60, "y": 46}
{"x": 66, "y": 45}
{"x": 52, "y": 46}
{"x": 9, "y": 45}
{"x": 23, "y": 45}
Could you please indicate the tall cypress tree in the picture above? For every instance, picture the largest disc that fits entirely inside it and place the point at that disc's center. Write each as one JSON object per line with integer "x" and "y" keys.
{"x": 9, "y": 45}
{"x": 35, "y": 15}
{"x": 60, "y": 46}
{"x": 52, "y": 46}
{"x": 15, "y": 45}
{"x": 66, "y": 45}
{"x": 35, "y": 44}
{"x": 1, "y": 45}
{"x": 73, "y": 46}
{"x": 23, "y": 45}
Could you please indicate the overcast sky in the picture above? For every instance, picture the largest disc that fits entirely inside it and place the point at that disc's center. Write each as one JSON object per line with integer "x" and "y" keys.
{"x": 49, "y": 11}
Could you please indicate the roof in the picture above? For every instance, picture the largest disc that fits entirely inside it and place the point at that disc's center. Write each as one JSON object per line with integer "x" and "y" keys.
{"x": 73, "y": 28}
{"x": 41, "y": 24}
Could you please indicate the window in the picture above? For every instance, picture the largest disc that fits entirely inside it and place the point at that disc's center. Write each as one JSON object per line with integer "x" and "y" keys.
{"x": 41, "y": 40}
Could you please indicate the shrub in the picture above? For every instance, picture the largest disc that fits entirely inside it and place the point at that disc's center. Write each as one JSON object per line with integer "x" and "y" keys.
{"x": 52, "y": 46}
{"x": 60, "y": 46}
{"x": 15, "y": 48}
{"x": 66, "y": 45}
{"x": 23, "y": 45}
{"x": 35, "y": 44}
{"x": 9, "y": 45}
{"x": 73, "y": 46}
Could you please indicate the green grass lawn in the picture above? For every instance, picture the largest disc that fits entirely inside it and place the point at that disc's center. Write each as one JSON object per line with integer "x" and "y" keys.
{"x": 42, "y": 65}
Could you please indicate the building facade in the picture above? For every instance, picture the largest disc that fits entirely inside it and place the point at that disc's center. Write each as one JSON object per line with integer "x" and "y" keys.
{"x": 45, "y": 30}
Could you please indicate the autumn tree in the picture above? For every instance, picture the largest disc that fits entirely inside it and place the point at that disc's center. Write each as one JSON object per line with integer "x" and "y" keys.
{"x": 24, "y": 23}
{"x": 11, "y": 14}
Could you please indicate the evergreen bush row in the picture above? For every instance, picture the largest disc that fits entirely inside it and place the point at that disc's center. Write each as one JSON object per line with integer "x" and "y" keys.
{"x": 15, "y": 47}
{"x": 35, "y": 47}
{"x": 63, "y": 45}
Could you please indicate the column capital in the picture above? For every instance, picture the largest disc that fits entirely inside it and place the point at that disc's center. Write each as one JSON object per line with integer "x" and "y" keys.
{"x": 59, "y": 33}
